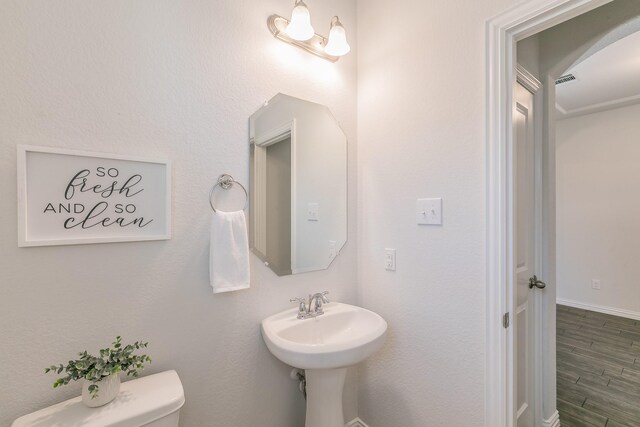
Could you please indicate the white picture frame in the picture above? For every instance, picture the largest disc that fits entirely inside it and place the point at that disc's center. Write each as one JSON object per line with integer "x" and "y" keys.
{"x": 72, "y": 197}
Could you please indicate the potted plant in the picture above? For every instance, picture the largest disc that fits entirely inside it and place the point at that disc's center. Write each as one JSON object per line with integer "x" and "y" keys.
{"x": 101, "y": 374}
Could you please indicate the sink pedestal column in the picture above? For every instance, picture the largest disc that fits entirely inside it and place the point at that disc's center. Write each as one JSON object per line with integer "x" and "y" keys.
{"x": 324, "y": 397}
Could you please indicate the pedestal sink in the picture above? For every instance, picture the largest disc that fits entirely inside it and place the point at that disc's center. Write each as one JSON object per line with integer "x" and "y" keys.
{"x": 324, "y": 346}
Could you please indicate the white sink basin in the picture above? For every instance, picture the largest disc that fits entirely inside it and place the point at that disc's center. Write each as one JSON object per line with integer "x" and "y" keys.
{"x": 324, "y": 346}
{"x": 343, "y": 336}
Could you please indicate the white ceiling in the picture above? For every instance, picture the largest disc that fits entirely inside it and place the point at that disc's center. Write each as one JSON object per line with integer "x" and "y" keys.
{"x": 610, "y": 78}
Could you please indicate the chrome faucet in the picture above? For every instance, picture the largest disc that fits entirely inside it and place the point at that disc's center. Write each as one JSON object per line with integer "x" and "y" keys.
{"x": 312, "y": 308}
{"x": 316, "y": 302}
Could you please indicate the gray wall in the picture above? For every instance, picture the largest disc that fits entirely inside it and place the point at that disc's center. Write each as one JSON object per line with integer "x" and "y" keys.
{"x": 173, "y": 79}
{"x": 421, "y": 133}
{"x": 597, "y": 183}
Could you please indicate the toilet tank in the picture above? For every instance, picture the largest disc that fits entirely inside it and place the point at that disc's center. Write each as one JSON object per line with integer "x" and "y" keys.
{"x": 152, "y": 401}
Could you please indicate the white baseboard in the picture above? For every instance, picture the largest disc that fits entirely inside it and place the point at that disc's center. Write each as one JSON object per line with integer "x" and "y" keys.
{"x": 600, "y": 308}
{"x": 553, "y": 421}
{"x": 356, "y": 422}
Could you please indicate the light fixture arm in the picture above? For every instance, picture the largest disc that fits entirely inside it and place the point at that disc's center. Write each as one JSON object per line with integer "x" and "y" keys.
{"x": 277, "y": 26}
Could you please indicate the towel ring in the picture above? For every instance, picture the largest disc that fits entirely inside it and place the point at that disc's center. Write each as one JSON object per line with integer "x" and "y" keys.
{"x": 226, "y": 181}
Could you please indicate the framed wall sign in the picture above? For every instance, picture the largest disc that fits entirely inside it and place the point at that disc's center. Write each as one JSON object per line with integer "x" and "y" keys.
{"x": 69, "y": 197}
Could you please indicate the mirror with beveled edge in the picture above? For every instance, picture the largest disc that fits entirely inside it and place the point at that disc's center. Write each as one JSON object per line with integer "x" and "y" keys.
{"x": 298, "y": 202}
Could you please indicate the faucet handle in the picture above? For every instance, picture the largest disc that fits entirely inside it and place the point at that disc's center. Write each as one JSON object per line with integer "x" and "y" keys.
{"x": 325, "y": 299}
{"x": 302, "y": 307}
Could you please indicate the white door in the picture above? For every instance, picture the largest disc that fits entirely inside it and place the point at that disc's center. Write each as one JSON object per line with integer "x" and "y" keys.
{"x": 524, "y": 316}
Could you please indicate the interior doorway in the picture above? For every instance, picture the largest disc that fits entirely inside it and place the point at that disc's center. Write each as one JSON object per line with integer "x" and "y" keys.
{"x": 505, "y": 405}
{"x": 597, "y": 338}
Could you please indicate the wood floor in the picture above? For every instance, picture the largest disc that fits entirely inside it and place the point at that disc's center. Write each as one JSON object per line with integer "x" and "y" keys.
{"x": 598, "y": 363}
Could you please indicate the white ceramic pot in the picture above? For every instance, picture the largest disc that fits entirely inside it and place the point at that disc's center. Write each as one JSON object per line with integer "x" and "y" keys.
{"x": 108, "y": 389}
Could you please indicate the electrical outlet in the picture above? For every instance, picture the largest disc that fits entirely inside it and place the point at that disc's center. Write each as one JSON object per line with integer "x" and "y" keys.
{"x": 595, "y": 284}
{"x": 390, "y": 259}
{"x": 313, "y": 213}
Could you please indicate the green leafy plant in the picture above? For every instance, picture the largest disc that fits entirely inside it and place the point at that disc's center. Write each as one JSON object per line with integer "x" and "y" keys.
{"x": 117, "y": 358}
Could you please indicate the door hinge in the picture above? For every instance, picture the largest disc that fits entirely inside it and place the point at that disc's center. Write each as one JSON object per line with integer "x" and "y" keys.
{"x": 505, "y": 320}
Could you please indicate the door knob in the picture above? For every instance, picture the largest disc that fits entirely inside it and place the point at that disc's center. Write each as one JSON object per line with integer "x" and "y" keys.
{"x": 537, "y": 283}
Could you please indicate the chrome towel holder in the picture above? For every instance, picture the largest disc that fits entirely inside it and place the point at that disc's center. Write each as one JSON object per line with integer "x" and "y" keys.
{"x": 226, "y": 181}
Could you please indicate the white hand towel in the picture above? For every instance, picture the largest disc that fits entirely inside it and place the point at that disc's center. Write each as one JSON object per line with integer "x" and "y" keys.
{"x": 228, "y": 252}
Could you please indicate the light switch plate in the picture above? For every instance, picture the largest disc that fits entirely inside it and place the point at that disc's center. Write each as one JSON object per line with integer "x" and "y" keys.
{"x": 429, "y": 211}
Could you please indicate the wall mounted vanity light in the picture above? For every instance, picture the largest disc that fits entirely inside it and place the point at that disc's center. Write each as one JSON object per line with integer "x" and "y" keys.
{"x": 299, "y": 32}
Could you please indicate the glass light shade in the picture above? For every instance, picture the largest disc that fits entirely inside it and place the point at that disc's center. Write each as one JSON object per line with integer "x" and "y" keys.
{"x": 299, "y": 27}
{"x": 337, "y": 44}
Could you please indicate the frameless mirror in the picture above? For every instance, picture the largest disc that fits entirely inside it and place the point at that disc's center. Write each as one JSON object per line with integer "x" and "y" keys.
{"x": 298, "y": 214}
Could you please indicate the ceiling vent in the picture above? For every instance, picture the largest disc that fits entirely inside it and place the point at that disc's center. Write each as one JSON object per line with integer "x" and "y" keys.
{"x": 565, "y": 79}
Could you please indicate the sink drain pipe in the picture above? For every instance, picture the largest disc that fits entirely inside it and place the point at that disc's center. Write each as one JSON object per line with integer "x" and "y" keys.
{"x": 298, "y": 375}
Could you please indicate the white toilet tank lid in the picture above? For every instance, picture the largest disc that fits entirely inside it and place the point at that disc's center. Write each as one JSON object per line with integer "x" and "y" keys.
{"x": 139, "y": 402}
